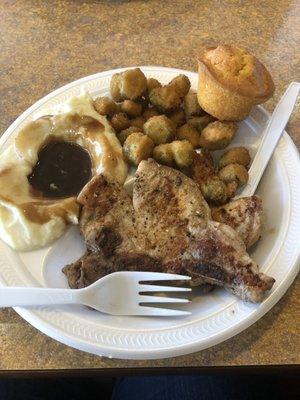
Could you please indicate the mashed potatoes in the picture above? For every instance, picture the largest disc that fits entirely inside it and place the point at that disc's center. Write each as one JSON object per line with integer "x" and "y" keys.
{"x": 29, "y": 220}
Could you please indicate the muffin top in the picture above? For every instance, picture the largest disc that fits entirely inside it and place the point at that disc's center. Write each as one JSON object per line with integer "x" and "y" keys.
{"x": 238, "y": 70}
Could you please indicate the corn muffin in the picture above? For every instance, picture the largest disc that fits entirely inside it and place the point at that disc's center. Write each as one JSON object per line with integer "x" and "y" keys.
{"x": 231, "y": 81}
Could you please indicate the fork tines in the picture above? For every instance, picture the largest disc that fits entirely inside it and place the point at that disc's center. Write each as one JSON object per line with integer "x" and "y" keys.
{"x": 156, "y": 300}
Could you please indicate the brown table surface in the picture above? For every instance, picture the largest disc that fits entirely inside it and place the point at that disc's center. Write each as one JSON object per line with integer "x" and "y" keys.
{"x": 45, "y": 45}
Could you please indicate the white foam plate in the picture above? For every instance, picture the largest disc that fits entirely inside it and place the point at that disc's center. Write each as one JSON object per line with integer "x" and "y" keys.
{"x": 216, "y": 316}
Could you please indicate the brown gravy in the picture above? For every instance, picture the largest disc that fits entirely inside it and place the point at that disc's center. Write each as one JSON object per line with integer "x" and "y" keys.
{"x": 63, "y": 168}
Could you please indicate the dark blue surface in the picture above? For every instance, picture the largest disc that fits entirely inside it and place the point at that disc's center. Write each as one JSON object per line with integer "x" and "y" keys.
{"x": 160, "y": 387}
{"x": 196, "y": 387}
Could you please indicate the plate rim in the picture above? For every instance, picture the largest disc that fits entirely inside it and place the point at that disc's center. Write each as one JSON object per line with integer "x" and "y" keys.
{"x": 34, "y": 319}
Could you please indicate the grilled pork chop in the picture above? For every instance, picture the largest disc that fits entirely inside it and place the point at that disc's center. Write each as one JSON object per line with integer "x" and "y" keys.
{"x": 244, "y": 215}
{"x": 201, "y": 247}
{"x": 108, "y": 225}
{"x": 168, "y": 228}
{"x": 169, "y": 208}
{"x": 107, "y": 218}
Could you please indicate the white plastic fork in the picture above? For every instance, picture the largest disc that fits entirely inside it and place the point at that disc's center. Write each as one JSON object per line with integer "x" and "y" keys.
{"x": 270, "y": 138}
{"x": 118, "y": 293}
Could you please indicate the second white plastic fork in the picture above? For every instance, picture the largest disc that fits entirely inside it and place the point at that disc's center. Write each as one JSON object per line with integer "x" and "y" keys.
{"x": 119, "y": 293}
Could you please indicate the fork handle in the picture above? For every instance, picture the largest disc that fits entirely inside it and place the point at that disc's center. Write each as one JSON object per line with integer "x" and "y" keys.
{"x": 271, "y": 136}
{"x": 25, "y": 296}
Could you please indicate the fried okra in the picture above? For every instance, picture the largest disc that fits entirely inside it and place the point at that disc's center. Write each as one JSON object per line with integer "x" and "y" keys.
{"x": 123, "y": 135}
{"x": 191, "y": 105}
{"x": 130, "y": 84}
{"x": 214, "y": 190}
{"x": 177, "y": 117}
{"x": 160, "y": 129}
{"x": 203, "y": 172}
{"x": 131, "y": 108}
{"x": 217, "y": 135}
{"x": 183, "y": 153}
{"x": 115, "y": 87}
{"x": 179, "y": 153}
{"x": 165, "y": 98}
{"x": 188, "y": 132}
{"x": 203, "y": 166}
{"x": 182, "y": 85}
{"x": 105, "y": 106}
{"x": 231, "y": 189}
{"x": 163, "y": 154}
{"x": 200, "y": 122}
{"x": 235, "y": 155}
{"x": 137, "y": 147}
{"x": 234, "y": 173}
{"x": 138, "y": 122}
{"x": 120, "y": 121}
{"x": 150, "y": 112}
{"x": 152, "y": 83}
